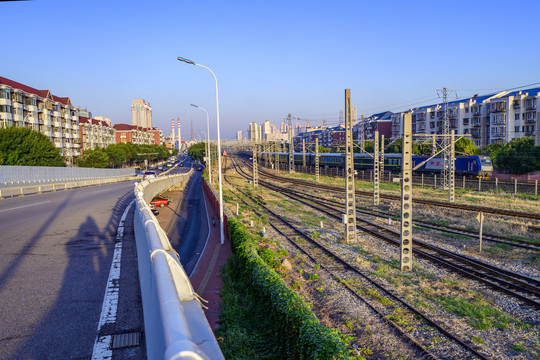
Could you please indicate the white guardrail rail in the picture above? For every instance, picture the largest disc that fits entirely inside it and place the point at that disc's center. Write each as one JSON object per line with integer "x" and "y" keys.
{"x": 174, "y": 321}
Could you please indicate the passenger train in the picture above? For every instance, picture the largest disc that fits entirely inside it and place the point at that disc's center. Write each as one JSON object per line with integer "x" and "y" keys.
{"x": 471, "y": 166}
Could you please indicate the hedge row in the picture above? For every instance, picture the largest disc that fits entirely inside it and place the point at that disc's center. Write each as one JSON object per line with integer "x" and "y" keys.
{"x": 297, "y": 332}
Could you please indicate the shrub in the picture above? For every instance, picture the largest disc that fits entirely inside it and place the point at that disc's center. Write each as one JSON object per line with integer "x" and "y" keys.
{"x": 296, "y": 331}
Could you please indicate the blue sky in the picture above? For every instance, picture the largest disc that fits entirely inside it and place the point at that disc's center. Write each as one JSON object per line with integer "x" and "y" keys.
{"x": 271, "y": 58}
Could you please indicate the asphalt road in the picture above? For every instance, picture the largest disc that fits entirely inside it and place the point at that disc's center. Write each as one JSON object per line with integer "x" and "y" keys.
{"x": 189, "y": 236}
{"x": 55, "y": 255}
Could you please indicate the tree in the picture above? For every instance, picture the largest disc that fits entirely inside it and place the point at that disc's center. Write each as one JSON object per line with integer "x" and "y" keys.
{"x": 519, "y": 156}
{"x": 24, "y": 146}
{"x": 96, "y": 158}
{"x": 117, "y": 155}
{"x": 197, "y": 151}
{"x": 465, "y": 145}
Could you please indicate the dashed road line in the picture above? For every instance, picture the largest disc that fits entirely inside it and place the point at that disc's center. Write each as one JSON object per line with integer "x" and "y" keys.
{"x": 102, "y": 346}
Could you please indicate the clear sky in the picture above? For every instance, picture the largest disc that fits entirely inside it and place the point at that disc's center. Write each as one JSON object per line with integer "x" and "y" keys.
{"x": 271, "y": 58}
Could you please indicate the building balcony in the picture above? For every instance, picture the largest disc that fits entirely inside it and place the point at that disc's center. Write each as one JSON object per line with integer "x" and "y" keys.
{"x": 531, "y": 120}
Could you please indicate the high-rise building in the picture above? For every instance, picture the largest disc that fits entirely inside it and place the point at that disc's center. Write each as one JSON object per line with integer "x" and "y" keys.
{"x": 141, "y": 114}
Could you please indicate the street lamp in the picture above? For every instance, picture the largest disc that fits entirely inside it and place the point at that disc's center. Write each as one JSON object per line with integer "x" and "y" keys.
{"x": 187, "y": 61}
{"x": 207, "y": 142}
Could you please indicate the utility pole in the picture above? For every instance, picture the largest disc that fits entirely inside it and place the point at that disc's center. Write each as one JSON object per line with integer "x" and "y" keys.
{"x": 406, "y": 195}
{"x": 304, "y": 155}
{"x": 382, "y": 157}
{"x": 446, "y": 140}
{"x": 376, "y": 171}
{"x": 255, "y": 164}
{"x": 350, "y": 200}
{"x": 317, "y": 159}
{"x": 362, "y": 136}
{"x": 291, "y": 145}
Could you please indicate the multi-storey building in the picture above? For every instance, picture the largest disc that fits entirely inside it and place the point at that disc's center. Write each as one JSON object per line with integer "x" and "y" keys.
{"x": 381, "y": 122}
{"x": 489, "y": 119}
{"x": 97, "y": 132}
{"x": 132, "y": 134}
{"x": 254, "y": 132}
{"x": 53, "y": 116}
{"x": 141, "y": 114}
{"x": 159, "y": 138}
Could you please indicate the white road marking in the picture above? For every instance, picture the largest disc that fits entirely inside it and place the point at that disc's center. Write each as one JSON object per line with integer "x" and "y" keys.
{"x": 20, "y": 207}
{"x": 102, "y": 344}
{"x": 98, "y": 191}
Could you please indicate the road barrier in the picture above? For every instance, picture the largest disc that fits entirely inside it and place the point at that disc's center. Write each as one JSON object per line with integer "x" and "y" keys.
{"x": 37, "y": 189}
{"x": 18, "y": 176}
{"x": 174, "y": 321}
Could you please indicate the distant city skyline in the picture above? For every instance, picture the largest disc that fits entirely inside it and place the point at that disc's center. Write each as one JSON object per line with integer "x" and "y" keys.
{"x": 290, "y": 57}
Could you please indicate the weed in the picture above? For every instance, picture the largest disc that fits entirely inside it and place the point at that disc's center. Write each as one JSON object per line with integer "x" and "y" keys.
{"x": 314, "y": 277}
{"x": 317, "y": 266}
{"x": 481, "y": 316}
{"x": 478, "y": 340}
{"x": 296, "y": 284}
{"x": 320, "y": 289}
{"x": 518, "y": 346}
{"x": 316, "y": 235}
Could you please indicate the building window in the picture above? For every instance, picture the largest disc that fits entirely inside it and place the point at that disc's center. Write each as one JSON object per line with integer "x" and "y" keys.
{"x": 516, "y": 116}
{"x": 516, "y": 129}
{"x": 5, "y": 94}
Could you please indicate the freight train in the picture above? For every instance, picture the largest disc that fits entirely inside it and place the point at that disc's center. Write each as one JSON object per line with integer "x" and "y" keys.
{"x": 470, "y": 166}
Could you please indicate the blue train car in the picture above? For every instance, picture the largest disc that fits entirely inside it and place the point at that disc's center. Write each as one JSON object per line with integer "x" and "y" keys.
{"x": 477, "y": 166}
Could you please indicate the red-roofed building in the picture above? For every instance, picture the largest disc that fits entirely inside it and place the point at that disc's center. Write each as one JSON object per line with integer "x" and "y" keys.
{"x": 96, "y": 132}
{"x": 133, "y": 134}
{"x": 53, "y": 116}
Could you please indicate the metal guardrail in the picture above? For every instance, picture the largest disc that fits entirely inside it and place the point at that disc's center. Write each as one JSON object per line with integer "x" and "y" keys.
{"x": 174, "y": 321}
{"x": 14, "y": 176}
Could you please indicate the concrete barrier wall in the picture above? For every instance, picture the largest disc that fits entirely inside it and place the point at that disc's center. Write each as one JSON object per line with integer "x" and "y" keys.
{"x": 174, "y": 321}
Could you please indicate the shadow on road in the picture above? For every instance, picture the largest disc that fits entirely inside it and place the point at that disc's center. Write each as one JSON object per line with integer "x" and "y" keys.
{"x": 68, "y": 330}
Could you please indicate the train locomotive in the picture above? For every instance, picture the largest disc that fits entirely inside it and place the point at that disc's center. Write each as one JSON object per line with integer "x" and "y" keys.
{"x": 469, "y": 166}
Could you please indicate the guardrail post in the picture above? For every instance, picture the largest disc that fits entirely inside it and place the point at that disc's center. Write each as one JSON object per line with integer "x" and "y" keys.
{"x": 535, "y": 187}
{"x": 515, "y": 186}
{"x": 496, "y": 184}
{"x": 479, "y": 184}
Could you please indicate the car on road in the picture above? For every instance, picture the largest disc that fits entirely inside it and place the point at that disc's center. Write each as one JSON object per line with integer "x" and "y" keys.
{"x": 149, "y": 175}
{"x": 153, "y": 209}
{"x": 160, "y": 201}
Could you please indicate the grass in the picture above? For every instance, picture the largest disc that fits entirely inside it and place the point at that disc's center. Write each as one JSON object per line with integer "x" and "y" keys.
{"x": 480, "y": 315}
{"x": 456, "y": 236}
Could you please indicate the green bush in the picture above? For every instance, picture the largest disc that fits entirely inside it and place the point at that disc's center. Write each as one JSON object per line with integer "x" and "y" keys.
{"x": 294, "y": 330}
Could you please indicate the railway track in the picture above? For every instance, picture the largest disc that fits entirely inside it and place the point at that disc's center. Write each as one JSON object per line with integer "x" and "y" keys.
{"x": 342, "y": 271}
{"x": 472, "y": 208}
{"x": 525, "y": 289}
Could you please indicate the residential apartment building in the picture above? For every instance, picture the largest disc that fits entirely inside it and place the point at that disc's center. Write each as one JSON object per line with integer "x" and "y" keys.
{"x": 488, "y": 119}
{"x": 254, "y": 132}
{"x": 381, "y": 122}
{"x": 141, "y": 114}
{"x": 97, "y": 132}
{"x": 132, "y": 134}
{"x": 51, "y": 115}
{"x": 159, "y": 138}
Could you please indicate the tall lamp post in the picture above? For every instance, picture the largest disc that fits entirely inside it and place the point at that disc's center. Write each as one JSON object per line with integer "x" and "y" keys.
{"x": 207, "y": 142}
{"x": 187, "y": 61}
